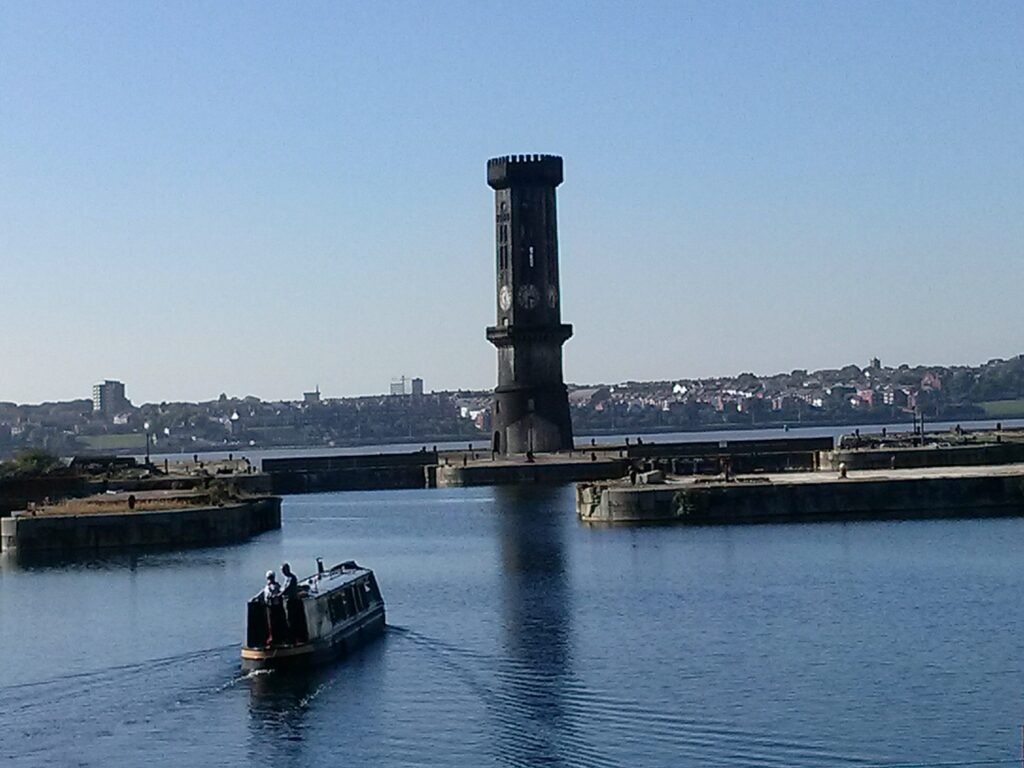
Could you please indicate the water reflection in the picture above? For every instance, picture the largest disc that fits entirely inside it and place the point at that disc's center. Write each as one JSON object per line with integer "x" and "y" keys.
{"x": 278, "y": 707}
{"x": 291, "y": 712}
{"x": 68, "y": 561}
{"x": 536, "y": 613}
{"x": 173, "y": 558}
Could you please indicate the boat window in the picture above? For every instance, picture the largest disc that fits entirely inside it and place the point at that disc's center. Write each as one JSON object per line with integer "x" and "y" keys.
{"x": 335, "y": 607}
{"x": 374, "y": 589}
{"x": 369, "y": 593}
{"x": 340, "y": 606}
{"x": 357, "y": 596}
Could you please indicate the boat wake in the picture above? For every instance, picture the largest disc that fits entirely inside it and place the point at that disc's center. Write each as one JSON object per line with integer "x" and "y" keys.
{"x": 540, "y": 715}
{"x": 115, "y": 673}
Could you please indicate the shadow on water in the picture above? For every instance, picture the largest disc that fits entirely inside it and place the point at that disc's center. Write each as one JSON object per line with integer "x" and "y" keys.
{"x": 170, "y": 557}
{"x": 283, "y": 705}
{"x": 279, "y": 703}
{"x": 536, "y": 610}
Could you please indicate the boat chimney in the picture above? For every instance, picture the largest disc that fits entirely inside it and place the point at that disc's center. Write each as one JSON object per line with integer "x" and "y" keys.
{"x": 320, "y": 566}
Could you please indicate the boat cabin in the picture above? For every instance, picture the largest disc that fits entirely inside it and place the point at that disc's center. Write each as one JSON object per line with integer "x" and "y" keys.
{"x": 327, "y": 602}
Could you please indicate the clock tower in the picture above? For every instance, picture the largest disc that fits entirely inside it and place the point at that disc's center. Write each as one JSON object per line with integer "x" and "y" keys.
{"x": 531, "y": 404}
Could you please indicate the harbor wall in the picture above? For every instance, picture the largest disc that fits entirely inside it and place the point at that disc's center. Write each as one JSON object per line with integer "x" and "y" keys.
{"x": 19, "y": 492}
{"x": 428, "y": 469}
{"x": 760, "y": 447}
{"x": 526, "y": 473}
{"x": 828, "y": 500}
{"x": 926, "y": 456}
{"x": 386, "y": 471}
{"x": 786, "y": 454}
{"x": 179, "y": 527}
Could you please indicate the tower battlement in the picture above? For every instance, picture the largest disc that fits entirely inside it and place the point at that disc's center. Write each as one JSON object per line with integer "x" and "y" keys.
{"x": 503, "y": 172}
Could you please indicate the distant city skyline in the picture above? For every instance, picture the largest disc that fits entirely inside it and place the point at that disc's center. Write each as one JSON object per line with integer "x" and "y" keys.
{"x": 413, "y": 385}
{"x": 255, "y": 200}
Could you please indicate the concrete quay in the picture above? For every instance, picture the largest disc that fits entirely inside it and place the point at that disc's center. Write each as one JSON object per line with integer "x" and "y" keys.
{"x": 237, "y": 476}
{"x": 936, "y": 492}
{"x": 475, "y": 467}
{"x": 939, "y": 450}
{"x": 182, "y": 526}
{"x": 380, "y": 471}
{"x": 544, "y": 469}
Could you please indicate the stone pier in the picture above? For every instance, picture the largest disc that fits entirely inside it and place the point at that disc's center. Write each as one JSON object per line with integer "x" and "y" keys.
{"x": 188, "y": 526}
{"x": 807, "y": 496}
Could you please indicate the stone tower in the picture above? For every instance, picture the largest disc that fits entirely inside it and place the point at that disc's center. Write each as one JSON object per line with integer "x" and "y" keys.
{"x": 531, "y": 405}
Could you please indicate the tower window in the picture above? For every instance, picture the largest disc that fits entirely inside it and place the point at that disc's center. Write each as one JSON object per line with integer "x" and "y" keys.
{"x": 531, "y": 256}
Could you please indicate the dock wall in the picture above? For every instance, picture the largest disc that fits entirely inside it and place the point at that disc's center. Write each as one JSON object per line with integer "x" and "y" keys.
{"x": 180, "y": 527}
{"x": 386, "y": 471}
{"x": 772, "y": 502}
{"x": 539, "y": 473}
{"x": 928, "y": 456}
{"x": 18, "y": 493}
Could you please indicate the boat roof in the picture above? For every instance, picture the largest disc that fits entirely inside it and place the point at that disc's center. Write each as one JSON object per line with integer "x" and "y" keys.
{"x": 333, "y": 578}
{"x": 338, "y": 576}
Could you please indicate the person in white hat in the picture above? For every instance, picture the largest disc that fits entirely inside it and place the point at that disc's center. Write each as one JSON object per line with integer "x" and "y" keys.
{"x": 273, "y": 589}
{"x": 271, "y": 595}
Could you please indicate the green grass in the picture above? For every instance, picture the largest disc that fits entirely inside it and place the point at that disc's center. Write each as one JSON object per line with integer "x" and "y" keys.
{"x": 1004, "y": 408}
{"x": 114, "y": 442}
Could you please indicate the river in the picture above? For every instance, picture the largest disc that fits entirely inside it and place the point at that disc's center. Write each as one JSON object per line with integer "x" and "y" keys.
{"x": 519, "y": 637}
{"x": 256, "y": 455}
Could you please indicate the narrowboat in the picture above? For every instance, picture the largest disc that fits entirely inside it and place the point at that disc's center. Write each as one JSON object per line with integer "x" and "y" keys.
{"x": 336, "y": 611}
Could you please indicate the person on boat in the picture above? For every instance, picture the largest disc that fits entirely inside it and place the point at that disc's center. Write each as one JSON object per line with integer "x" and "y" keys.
{"x": 291, "y": 584}
{"x": 273, "y": 589}
{"x": 271, "y": 595}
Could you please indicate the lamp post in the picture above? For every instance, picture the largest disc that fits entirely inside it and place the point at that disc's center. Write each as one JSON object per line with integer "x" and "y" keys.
{"x": 145, "y": 426}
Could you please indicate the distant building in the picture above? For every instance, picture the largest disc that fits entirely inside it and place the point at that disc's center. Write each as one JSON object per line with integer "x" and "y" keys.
{"x": 108, "y": 398}
{"x": 311, "y": 398}
{"x": 398, "y": 386}
{"x": 405, "y": 386}
{"x": 784, "y": 401}
{"x": 895, "y": 396}
{"x": 865, "y": 397}
{"x": 840, "y": 391}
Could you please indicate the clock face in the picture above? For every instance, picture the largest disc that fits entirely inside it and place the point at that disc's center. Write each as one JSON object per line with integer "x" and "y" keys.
{"x": 552, "y": 296}
{"x": 529, "y": 296}
{"x": 505, "y": 298}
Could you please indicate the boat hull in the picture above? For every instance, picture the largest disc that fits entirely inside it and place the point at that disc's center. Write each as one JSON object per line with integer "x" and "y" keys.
{"x": 341, "y": 642}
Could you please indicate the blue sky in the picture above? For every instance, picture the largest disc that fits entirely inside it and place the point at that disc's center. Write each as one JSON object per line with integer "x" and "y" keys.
{"x": 256, "y": 198}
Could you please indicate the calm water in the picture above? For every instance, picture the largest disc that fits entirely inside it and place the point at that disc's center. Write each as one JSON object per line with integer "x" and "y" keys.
{"x": 521, "y": 638}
